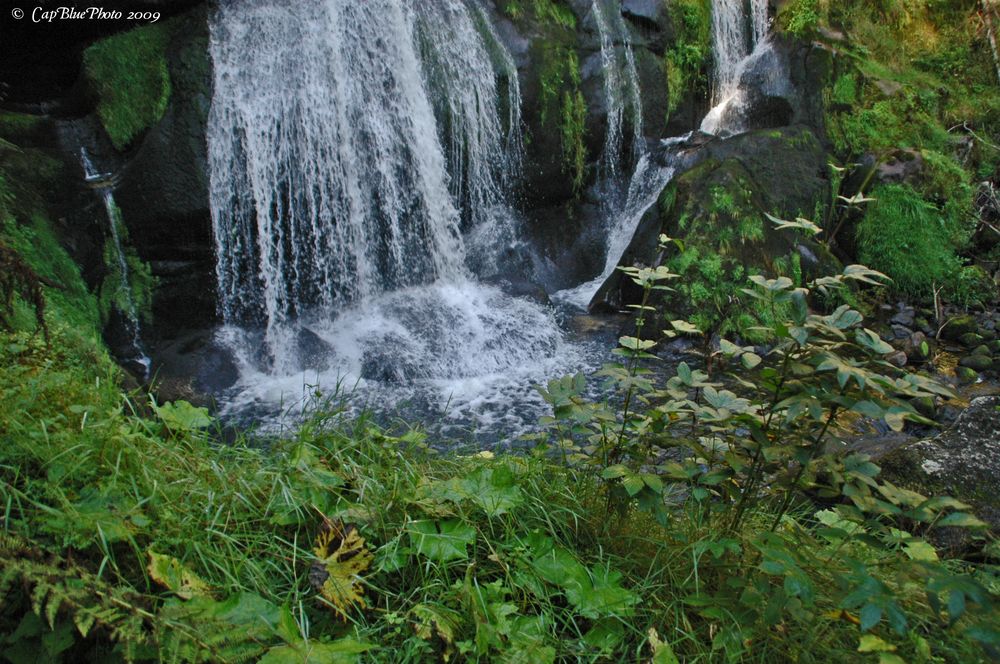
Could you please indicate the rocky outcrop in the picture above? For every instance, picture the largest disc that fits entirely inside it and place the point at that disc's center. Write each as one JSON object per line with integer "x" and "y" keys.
{"x": 963, "y": 462}
{"x": 715, "y": 204}
{"x": 163, "y": 193}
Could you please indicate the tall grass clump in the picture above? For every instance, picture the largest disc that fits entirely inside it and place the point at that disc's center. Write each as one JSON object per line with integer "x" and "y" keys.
{"x": 909, "y": 239}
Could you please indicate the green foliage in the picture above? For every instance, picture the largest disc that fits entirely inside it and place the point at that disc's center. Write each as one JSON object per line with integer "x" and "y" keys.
{"x": 722, "y": 462}
{"x": 129, "y": 74}
{"x": 564, "y": 108}
{"x": 800, "y": 17}
{"x": 845, "y": 90}
{"x": 131, "y": 293}
{"x": 910, "y": 239}
{"x": 687, "y": 59}
{"x": 554, "y": 12}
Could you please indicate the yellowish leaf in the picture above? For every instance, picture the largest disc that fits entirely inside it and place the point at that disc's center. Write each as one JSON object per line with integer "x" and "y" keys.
{"x": 175, "y": 577}
{"x": 341, "y": 558}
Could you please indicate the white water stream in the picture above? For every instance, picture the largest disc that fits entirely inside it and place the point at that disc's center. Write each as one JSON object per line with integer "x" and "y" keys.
{"x": 124, "y": 300}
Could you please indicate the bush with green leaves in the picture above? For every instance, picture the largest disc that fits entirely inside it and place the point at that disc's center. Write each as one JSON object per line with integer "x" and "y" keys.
{"x": 735, "y": 464}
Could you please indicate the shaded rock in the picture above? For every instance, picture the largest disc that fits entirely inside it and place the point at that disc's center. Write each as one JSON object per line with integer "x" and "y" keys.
{"x": 897, "y": 359}
{"x": 970, "y": 339}
{"x": 978, "y": 363}
{"x": 645, "y": 10}
{"x": 917, "y": 347}
{"x": 957, "y": 326}
{"x": 963, "y": 462}
{"x": 192, "y": 367}
{"x": 906, "y": 317}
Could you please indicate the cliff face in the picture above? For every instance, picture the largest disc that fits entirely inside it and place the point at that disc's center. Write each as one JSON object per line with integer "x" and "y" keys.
{"x": 909, "y": 93}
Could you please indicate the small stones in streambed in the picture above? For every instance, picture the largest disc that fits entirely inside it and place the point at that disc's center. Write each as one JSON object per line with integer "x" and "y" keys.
{"x": 897, "y": 359}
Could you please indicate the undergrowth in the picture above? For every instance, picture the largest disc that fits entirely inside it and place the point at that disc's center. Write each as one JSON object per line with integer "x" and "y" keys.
{"x": 676, "y": 522}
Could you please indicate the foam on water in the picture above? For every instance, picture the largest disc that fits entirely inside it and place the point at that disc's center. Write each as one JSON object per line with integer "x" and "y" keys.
{"x": 461, "y": 353}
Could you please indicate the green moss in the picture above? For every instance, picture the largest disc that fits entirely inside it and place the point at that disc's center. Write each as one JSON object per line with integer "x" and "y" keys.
{"x": 129, "y": 73}
{"x": 67, "y": 299}
{"x": 26, "y": 228}
{"x": 13, "y": 125}
{"x": 563, "y": 107}
{"x": 909, "y": 239}
{"x": 845, "y": 90}
{"x": 686, "y": 61}
{"x": 545, "y": 11}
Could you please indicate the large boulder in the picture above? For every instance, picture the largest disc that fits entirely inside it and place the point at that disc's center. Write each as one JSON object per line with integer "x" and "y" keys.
{"x": 714, "y": 205}
{"x": 163, "y": 193}
{"x": 963, "y": 462}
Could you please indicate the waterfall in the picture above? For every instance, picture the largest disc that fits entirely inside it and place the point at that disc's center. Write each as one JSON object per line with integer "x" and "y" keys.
{"x": 624, "y": 202}
{"x": 330, "y": 179}
{"x": 104, "y": 183}
{"x": 738, "y": 39}
{"x": 621, "y": 87}
{"x": 735, "y": 35}
{"x": 462, "y": 59}
{"x": 645, "y": 187}
{"x": 363, "y": 157}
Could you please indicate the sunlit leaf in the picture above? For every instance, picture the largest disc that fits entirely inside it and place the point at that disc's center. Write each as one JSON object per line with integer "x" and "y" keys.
{"x": 175, "y": 577}
{"x": 341, "y": 558}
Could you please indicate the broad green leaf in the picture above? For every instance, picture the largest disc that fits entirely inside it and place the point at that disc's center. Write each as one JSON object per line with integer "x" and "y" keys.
{"x": 182, "y": 417}
{"x": 866, "y": 275}
{"x": 685, "y": 327}
{"x": 602, "y": 596}
{"x": 634, "y": 344}
{"x": 871, "y": 615}
{"x": 342, "y": 651}
{"x": 799, "y": 224}
{"x": 920, "y": 551}
{"x": 494, "y": 490}
{"x": 961, "y": 520}
{"x": 441, "y": 540}
{"x": 633, "y": 484}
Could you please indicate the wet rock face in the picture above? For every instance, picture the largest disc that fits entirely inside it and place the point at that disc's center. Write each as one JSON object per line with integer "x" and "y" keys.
{"x": 963, "y": 461}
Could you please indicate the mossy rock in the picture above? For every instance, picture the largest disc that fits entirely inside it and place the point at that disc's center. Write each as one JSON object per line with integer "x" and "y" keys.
{"x": 128, "y": 72}
{"x": 978, "y": 363}
{"x": 958, "y": 326}
{"x": 717, "y": 210}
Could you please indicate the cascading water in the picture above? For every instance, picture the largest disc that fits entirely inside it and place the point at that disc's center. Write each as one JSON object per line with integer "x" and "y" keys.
{"x": 358, "y": 180}
{"x": 648, "y": 181}
{"x": 738, "y": 39}
{"x": 622, "y": 210}
{"x": 621, "y": 88}
{"x": 462, "y": 58}
{"x": 123, "y": 298}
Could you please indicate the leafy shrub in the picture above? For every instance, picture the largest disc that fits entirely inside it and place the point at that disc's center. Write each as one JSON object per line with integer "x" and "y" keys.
{"x": 709, "y": 458}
